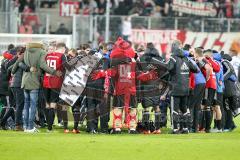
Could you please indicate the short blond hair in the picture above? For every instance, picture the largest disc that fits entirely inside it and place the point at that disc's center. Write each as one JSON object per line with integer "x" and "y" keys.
{"x": 74, "y": 51}
{"x": 199, "y": 52}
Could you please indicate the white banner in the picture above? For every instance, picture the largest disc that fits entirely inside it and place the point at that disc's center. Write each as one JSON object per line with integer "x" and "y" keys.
{"x": 217, "y": 41}
{"x": 195, "y": 8}
{"x": 209, "y": 40}
{"x": 160, "y": 38}
{"x": 75, "y": 80}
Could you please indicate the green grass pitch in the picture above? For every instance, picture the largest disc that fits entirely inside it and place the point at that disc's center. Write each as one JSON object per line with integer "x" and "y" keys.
{"x": 60, "y": 146}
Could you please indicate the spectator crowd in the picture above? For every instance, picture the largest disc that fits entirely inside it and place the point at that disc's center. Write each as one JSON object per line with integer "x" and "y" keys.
{"x": 225, "y": 8}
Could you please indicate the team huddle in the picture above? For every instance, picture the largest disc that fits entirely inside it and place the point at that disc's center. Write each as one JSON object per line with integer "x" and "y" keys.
{"x": 197, "y": 85}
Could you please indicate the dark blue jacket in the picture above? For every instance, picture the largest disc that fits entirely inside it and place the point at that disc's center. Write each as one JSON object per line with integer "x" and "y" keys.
{"x": 219, "y": 76}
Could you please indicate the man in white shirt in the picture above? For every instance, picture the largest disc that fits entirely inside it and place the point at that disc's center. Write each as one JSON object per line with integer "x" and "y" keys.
{"x": 126, "y": 28}
{"x": 236, "y": 62}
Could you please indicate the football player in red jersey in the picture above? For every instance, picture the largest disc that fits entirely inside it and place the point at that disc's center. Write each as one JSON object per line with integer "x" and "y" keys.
{"x": 208, "y": 67}
{"x": 51, "y": 83}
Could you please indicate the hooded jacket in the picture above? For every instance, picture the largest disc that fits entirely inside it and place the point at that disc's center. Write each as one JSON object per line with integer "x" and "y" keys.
{"x": 192, "y": 83}
{"x": 5, "y": 76}
{"x": 147, "y": 64}
{"x": 35, "y": 57}
{"x": 228, "y": 71}
{"x": 179, "y": 68}
{"x": 17, "y": 73}
{"x": 120, "y": 57}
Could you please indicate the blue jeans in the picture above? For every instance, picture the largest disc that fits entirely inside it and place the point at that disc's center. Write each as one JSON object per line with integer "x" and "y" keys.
{"x": 30, "y": 108}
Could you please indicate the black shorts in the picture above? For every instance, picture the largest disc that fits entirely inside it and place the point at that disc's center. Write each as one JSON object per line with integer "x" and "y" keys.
{"x": 51, "y": 95}
{"x": 118, "y": 101}
{"x": 218, "y": 99}
{"x": 195, "y": 100}
{"x": 209, "y": 95}
{"x": 150, "y": 101}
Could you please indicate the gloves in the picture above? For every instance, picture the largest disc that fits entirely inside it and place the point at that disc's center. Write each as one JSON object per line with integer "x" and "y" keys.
{"x": 98, "y": 74}
{"x": 151, "y": 75}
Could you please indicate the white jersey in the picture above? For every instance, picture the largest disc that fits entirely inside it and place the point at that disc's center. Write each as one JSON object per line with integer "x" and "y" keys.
{"x": 236, "y": 63}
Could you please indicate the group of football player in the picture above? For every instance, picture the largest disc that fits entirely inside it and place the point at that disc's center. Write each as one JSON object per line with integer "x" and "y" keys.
{"x": 190, "y": 90}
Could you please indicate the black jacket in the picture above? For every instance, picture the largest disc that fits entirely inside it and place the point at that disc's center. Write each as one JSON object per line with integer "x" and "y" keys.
{"x": 179, "y": 71}
{"x": 99, "y": 83}
{"x": 17, "y": 72}
{"x": 147, "y": 60}
{"x": 147, "y": 64}
{"x": 95, "y": 88}
{"x": 3, "y": 78}
{"x": 5, "y": 75}
{"x": 228, "y": 71}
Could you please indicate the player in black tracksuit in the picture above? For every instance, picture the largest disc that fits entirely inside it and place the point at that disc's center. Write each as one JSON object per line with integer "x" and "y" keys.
{"x": 179, "y": 69}
{"x": 150, "y": 52}
{"x": 6, "y": 113}
{"x": 97, "y": 106}
{"x": 230, "y": 95}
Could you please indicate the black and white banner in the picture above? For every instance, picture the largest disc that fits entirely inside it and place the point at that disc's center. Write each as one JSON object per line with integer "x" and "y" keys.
{"x": 195, "y": 8}
{"x": 75, "y": 80}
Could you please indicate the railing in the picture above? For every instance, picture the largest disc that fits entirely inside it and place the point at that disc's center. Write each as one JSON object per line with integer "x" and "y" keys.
{"x": 37, "y": 23}
{"x": 8, "y": 22}
{"x": 92, "y": 28}
{"x": 1, "y": 5}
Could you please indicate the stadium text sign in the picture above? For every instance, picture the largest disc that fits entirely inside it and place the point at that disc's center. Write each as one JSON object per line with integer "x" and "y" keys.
{"x": 75, "y": 80}
{"x": 163, "y": 38}
{"x": 68, "y": 8}
{"x": 160, "y": 38}
{"x": 195, "y": 8}
{"x": 216, "y": 41}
